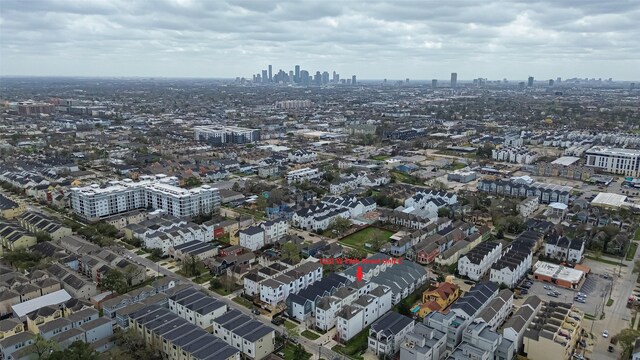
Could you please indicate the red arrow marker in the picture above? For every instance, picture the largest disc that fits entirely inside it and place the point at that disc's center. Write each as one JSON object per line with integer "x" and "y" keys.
{"x": 359, "y": 273}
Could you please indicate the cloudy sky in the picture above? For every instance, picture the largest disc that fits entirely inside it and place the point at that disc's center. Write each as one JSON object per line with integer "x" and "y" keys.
{"x": 374, "y": 39}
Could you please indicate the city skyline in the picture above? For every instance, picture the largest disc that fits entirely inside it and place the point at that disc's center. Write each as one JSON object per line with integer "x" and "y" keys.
{"x": 374, "y": 40}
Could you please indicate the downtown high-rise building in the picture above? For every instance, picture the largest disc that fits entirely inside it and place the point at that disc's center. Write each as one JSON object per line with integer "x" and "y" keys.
{"x": 353, "y": 80}
{"x": 270, "y": 73}
{"x": 454, "y": 80}
{"x": 530, "y": 81}
{"x": 434, "y": 83}
{"x": 296, "y": 75}
{"x": 304, "y": 77}
{"x": 325, "y": 77}
{"x": 265, "y": 76}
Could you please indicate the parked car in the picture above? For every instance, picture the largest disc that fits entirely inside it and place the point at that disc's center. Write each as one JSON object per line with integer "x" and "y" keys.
{"x": 610, "y": 349}
{"x": 277, "y": 321}
{"x": 255, "y": 311}
{"x": 605, "y": 334}
{"x": 552, "y": 294}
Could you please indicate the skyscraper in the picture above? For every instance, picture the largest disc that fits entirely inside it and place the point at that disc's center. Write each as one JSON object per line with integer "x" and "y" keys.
{"x": 454, "y": 80}
{"x": 551, "y": 82}
{"x": 353, "y": 80}
{"x": 296, "y": 77}
{"x": 530, "y": 81}
{"x": 265, "y": 77}
{"x": 304, "y": 77}
{"x": 325, "y": 77}
{"x": 317, "y": 79}
{"x": 291, "y": 78}
{"x": 270, "y": 73}
{"x": 434, "y": 83}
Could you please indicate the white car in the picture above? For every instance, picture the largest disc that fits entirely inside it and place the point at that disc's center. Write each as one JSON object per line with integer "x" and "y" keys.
{"x": 605, "y": 334}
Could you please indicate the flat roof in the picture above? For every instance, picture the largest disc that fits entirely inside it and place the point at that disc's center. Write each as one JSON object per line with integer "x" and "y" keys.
{"x": 566, "y": 160}
{"x": 558, "y": 272}
{"x": 54, "y": 298}
{"x": 609, "y": 199}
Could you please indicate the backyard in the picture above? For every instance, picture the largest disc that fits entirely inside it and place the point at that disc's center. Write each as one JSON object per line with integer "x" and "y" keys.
{"x": 359, "y": 238}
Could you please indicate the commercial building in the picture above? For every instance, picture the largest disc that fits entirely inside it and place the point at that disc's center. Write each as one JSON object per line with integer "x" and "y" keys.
{"x": 156, "y": 192}
{"x": 614, "y": 160}
{"x": 559, "y": 275}
{"x": 221, "y": 135}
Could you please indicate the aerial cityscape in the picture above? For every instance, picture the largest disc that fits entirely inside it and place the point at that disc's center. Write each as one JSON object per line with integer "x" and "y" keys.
{"x": 359, "y": 181}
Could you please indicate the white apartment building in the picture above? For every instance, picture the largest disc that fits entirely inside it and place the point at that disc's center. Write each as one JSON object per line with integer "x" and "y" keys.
{"x": 496, "y": 312}
{"x": 317, "y": 217}
{"x": 274, "y": 291}
{"x": 293, "y": 104}
{"x": 614, "y": 160}
{"x": 167, "y": 237}
{"x": 219, "y": 135}
{"x": 300, "y": 156}
{"x": 518, "y": 155}
{"x": 349, "y": 322}
{"x": 302, "y": 175}
{"x": 478, "y": 261}
{"x": 512, "y": 266}
{"x": 94, "y": 202}
{"x": 386, "y": 334}
{"x": 255, "y": 237}
{"x": 528, "y": 206}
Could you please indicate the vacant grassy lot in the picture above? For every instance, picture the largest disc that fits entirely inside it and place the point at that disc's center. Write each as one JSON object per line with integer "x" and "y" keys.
{"x": 358, "y": 239}
{"x": 631, "y": 254}
{"x": 289, "y": 325}
{"x": 309, "y": 335}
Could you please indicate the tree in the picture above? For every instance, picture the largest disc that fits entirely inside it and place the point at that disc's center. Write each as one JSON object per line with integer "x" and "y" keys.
{"x": 339, "y": 224}
{"x": 131, "y": 272}
{"x": 290, "y": 251}
{"x": 192, "y": 266}
{"x": 235, "y": 187}
{"x": 627, "y": 339}
{"x": 378, "y": 239}
{"x": 134, "y": 345}
{"x": 42, "y": 348}
{"x": 299, "y": 353}
{"x": 115, "y": 281}
{"x": 79, "y": 350}
{"x": 444, "y": 212}
{"x": 192, "y": 182}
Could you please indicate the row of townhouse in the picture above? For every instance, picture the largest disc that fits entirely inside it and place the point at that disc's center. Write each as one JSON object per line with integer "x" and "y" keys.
{"x": 193, "y": 249}
{"x": 518, "y": 323}
{"x": 14, "y": 237}
{"x": 477, "y": 262}
{"x": 110, "y": 307}
{"x": 175, "y": 235}
{"x": 275, "y": 290}
{"x": 10, "y": 209}
{"x": 388, "y": 332}
{"x": 196, "y": 307}
{"x": 498, "y": 309}
{"x": 518, "y": 155}
{"x": 562, "y": 248}
{"x": 546, "y": 193}
{"x": 254, "y": 339}
{"x": 405, "y": 244}
{"x": 401, "y": 277}
{"x": 427, "y": 250}
{"x": 317, "y": 217}
{"x": 17, "y": 288}
{"x": 554, "y": 333}
{"x": 351, "y": 182}
{"x": 300, "y": 156}
{"x": 84, "y": 325}
{"x": 177, "y": 338}
{"x": 356, "y": 207}
{"x": 408, "y": 220}
{"x": 36, "y": 222}
{"x": 268, "y": 232}
{"x": 97, "y": 264}
{"x": 356, "y": 314}
{"x": 512, "y": 266}
{"x": 75, "y": 284}
{"x": 461, "y": 248}
{"x": 424, "y": 197}
{"x": 302, "y": 175}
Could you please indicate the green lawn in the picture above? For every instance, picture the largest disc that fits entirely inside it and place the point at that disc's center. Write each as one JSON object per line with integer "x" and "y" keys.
{"x": 610, "y": 262}
{"x": 358, "y": 239}
{"x": 355, "y": 346}
{"x": 406, "y": 178}
{"x": 140, "y": 252}
{"x": 290, "y": 325}
{"x": 609, "y": 302}
{"x": 289, "y": 353}
{"x": 204, "y": 278}
{"x": 458, "y": 166}
{"x": 381, "y": 157}
{"x": 636, "y": 237}
{"x": 631, "y": 253}
{"x": 242, "y": 301}
{"x": 310, "y": 335}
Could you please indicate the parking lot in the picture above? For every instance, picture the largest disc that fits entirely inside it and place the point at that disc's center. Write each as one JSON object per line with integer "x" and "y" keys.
{"x": 595, "y": 287}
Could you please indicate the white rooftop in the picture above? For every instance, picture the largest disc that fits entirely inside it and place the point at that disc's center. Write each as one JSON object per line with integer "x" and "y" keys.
{"x": 558, "y": 206}
{"x": 609, "y": 199}
{"x": 558, "y": 272}
{"x": 566, "y": 160}
{"x": 54, "y": 298}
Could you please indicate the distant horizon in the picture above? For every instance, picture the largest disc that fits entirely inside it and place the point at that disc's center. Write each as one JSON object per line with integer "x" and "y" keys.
{"x": 445, "y": 80}
{"x": 373, "y": 39}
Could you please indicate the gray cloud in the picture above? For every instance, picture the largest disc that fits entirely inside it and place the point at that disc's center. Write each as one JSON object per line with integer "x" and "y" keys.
{"x": 372, "y": 38}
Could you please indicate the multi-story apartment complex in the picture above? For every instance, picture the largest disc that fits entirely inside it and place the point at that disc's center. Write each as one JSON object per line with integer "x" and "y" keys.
{"x": 220, "y": 135}
{"x": 524, "y": 187}
{"x": 95, "y": 202}
{"x": 554, "y": 332}
{"x": 302, "y": 175}
{"x": 614, "y": 160}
